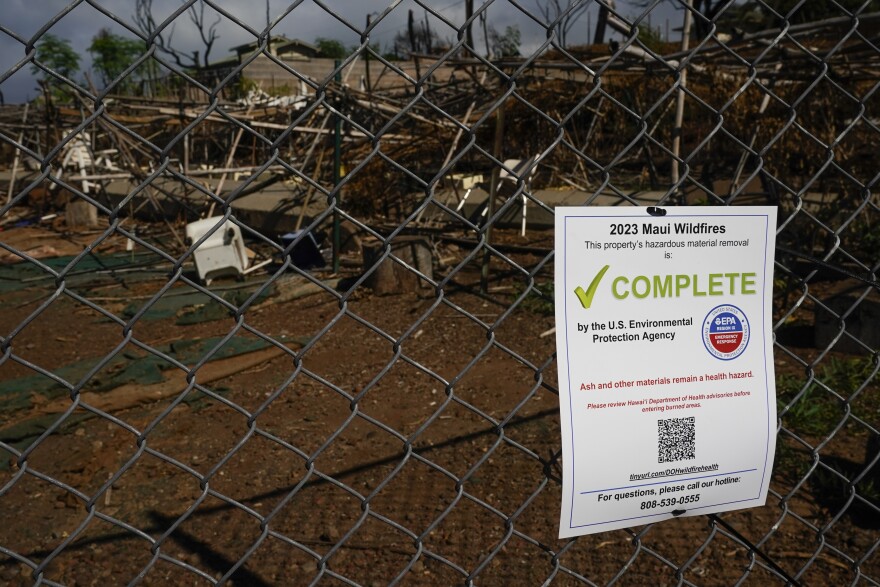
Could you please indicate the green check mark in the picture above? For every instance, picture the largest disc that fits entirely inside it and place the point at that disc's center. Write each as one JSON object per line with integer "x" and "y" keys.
{"x": 586, "y": 297}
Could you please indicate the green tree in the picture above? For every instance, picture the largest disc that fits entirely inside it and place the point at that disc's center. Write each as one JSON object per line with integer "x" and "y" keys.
{"x": 331, "y": 48}
{"x": 507, "y": 44}
{"x": 651, "y": 38}
{"x": 56, "y": 54}
{"x": 112, "y": 54}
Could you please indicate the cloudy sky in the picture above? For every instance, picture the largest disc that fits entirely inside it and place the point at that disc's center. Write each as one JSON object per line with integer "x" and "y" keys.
{"x": 307, "y": 21}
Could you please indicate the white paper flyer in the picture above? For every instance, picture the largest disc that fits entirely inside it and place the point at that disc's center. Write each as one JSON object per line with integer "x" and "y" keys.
{"x": 665, "y": 352}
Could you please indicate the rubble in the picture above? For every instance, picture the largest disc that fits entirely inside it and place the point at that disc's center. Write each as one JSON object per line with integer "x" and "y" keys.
{"x": 381, "y": 153}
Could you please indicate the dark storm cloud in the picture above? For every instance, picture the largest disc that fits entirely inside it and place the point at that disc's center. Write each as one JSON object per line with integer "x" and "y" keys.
{"x": 307, "y": 22}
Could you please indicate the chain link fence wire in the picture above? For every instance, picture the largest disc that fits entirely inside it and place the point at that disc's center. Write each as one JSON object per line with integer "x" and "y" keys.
{"x": 376, "y": 402}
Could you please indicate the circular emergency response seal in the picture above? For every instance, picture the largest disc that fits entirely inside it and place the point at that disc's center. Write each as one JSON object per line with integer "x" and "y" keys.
{"x": 726, "y": 332}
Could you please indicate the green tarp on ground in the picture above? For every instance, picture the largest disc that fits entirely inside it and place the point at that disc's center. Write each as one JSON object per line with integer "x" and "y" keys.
{"x": 26, "y": 275}
{"x": 130, "y": 366}
{"x": 193, "y": 306}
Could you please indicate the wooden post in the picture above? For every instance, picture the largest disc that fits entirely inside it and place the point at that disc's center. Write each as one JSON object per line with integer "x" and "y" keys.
{"x": 337, "y": 174}
{"x": 484, "y": 20}
{"x": 410, "y": 25}
{"x": 765, "y": 102}
{"x": 493, "y": 189}
{"x": 679, "y": 99}
{"x": 367, "y": 63}
{"x": 47, "y": 97}
{"x": 428, "y": 44}
{"x": 601, "y": 21}
{"x": 230, "y": 157}
{"x": 458, "y": 135}
{"x": 186, "y": 154}
{"x": 17, "y": 154}
{"x": 469, "y": 32}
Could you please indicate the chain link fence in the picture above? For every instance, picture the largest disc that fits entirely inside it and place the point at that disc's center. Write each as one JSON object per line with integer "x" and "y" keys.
{"x": 375, "y": 401}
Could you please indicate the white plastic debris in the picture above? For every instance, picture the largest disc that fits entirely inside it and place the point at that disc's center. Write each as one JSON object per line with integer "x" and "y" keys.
{"x": 222, "y": 253}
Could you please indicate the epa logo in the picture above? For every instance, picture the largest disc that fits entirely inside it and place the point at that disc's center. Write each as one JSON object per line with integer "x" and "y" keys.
{"x": 726, "y": 332}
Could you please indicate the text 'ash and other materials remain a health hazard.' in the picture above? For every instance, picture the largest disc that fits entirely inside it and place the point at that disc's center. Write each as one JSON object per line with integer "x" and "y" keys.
{"x": 666, "y": 383}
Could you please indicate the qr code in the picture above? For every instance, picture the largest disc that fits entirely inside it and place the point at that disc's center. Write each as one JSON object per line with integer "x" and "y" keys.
{"x": 676, "y": 439}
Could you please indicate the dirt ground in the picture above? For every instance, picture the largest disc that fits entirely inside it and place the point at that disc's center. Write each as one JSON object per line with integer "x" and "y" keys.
{"x": 412, "y": 439}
